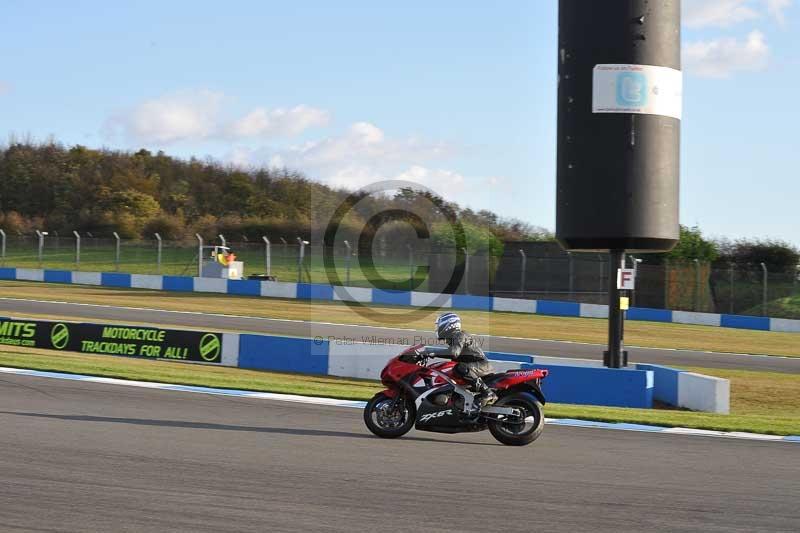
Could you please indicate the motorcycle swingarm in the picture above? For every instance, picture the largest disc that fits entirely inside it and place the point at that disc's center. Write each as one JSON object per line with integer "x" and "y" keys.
{"x": 497, "y": 410}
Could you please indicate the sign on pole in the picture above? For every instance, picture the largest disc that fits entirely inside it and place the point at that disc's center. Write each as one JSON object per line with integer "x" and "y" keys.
{"x": 626, "y": 279}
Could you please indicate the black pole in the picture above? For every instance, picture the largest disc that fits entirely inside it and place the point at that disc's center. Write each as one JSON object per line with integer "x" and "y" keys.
{"x": 613, "y": 357}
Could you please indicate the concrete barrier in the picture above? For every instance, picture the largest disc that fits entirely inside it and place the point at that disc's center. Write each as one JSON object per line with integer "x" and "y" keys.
{"x": 784, "y": 324}
{"x": 665, "y": 383}
{"x": 363, "y": 361}
{"x": 570, "y": 381}
{"x": 284, "y": 354}
{"x": 704, "y": 393}
{"x": 230, "y": 349}
{"x": 145, "y": 281}
{"x": 689, "y": 390}
{"x": 597, "y": 386}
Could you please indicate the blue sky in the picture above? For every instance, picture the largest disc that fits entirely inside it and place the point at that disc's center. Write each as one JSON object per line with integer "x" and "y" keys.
{"x": 459, "y": 96}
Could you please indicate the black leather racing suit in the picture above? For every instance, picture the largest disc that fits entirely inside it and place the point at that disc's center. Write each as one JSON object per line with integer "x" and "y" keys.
{"x": 472, "y": 362}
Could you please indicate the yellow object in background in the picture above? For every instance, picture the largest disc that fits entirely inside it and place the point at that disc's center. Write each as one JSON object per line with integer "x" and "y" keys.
{"x": 624, "y": 303}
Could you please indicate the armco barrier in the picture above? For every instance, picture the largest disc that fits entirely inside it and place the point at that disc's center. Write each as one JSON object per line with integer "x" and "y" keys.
{"x": 315, "y": 291}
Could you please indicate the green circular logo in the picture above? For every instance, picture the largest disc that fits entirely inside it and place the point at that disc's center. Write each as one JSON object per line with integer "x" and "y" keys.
{"x": 210, "y": 347}
{"x": 59, "y": 336}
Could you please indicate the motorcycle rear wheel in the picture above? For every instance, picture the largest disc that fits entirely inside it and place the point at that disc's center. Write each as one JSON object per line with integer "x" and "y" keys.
{"x": 386, "y": 422}
{"x": 514, "y": 433}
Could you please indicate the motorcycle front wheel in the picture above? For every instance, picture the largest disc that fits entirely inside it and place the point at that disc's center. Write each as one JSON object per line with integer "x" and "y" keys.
{"x": 523, "y": 430}
{"x": 387, "y": 417}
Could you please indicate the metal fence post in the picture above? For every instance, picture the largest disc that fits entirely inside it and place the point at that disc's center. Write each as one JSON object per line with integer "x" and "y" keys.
{"x": 77, "y": 248}
{"x": 794, "y": 281}
{"x": 602, "y": 263}
{"x": 466, "y": 271}
{"x": 267, "y": 255}
{"x": 571, "y": 259}
{"x": 523, "y": 272}
{"x": 697, "y": 285}
{"x": 116, "y": 254}
{"x": 765, "y": 295}
{"x": 222, "y": 239}
{"x": 2, "y": 247}
{"x": 300, "y": 255}
{"x": 41, "y": 246}
{"x": 410, "y": 263}
{"x": 199, "y": 255}
{"x": 347, "y": 260}
{"x": 158, "y": 254}
{"x": 57, "y": 239}
{"x": 730, "y": 278}
{"x": 636, "y": 261}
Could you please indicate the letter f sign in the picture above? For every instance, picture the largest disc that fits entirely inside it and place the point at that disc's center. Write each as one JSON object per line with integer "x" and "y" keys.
{"x": 626, "y": 279}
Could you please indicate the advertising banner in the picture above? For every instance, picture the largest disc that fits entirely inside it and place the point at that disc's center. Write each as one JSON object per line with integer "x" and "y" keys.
{"x": 112, "y": 339}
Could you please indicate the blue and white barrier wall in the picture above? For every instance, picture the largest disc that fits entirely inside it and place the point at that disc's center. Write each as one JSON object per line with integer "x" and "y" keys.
{"x": 315, "y": 291}
{"x": 581, "y": 383}
{"x": 574, "y": 381}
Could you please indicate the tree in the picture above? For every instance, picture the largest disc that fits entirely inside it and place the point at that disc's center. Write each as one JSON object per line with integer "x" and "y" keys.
{"x": 691, "y": 246}
{"x": 777, "y": 256}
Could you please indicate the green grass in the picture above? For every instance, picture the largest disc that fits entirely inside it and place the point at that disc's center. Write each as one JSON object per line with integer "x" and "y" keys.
{"x": 188, "y": 374}
{"x": 649, "y": 334}
{"x": 761, "y": 402}
{"x": 389, "y": 273}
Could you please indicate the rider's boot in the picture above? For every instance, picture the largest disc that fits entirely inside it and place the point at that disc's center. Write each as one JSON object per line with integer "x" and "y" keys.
{"x": 485, "y": 396}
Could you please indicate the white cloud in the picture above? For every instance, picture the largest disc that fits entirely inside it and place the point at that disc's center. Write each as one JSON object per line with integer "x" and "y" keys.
{"x": 433, "y": 178}
{"x": 262, "y": 122}
{"x": 362, "y": 143}
{"x": 198, "y": 114}
{"x": 169, "y": 118}
{"x": 719, "y": 58}
{"x": 5, "y": 87}
{"x": 725, "y": 13}
{"x": 775, "y": 8}
{"x": 364, "y": 154}
{"x": 702, "y": 13}
{"x": 442, "y": 181}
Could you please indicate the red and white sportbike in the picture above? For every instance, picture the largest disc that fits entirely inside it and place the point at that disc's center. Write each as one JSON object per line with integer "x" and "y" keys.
{"x": 431, "y": 398}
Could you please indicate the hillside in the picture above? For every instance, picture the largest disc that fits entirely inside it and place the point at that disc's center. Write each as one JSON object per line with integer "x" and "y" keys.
{"x": 49, "y": 186}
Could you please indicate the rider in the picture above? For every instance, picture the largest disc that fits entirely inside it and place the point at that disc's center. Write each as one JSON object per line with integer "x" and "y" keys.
{"x": 464, "y": 349}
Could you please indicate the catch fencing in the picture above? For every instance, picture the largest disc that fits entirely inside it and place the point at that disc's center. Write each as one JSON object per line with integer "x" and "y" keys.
{"x": 521, "y": 271}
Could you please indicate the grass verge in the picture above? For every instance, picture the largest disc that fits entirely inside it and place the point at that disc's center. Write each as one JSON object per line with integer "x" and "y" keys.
{"x": 761, "y": 402}
{"x": 648, "y": 334}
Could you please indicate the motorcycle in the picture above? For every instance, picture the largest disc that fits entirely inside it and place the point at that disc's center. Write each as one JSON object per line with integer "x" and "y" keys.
{"x": 432, "y": 398}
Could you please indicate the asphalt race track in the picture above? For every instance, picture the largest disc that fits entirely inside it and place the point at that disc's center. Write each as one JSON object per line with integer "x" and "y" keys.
{"x": 309, "y": 329}
{"x": 82, "y": 456}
